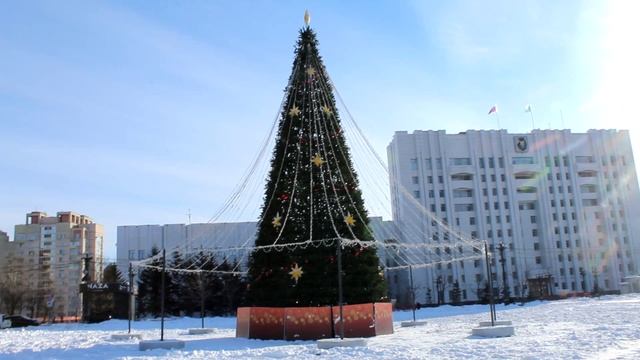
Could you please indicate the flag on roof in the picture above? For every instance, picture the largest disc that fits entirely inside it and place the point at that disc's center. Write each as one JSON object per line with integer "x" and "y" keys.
{"x": 528, "y": 109}
{"x": 494, "y": 109}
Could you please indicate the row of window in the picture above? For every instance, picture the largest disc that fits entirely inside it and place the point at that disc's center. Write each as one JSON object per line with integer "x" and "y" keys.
{"x": 516, "y": 160}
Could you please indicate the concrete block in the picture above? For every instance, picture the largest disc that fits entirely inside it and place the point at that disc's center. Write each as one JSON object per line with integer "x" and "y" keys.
{"x": 412, "y": 323}
{"x": 200, "y": 331}
{"x": 496, "y": 323}
{"x": 167, "y": 344}
{"x": 121, "y": 337}
{"x": 493, "y": 331}
{"x": 347, "y": 342}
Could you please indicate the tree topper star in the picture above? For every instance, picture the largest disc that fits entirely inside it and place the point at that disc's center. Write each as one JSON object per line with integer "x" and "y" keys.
{"x": 276, "y": 220}
{"x": 294, "y": 111}
{"x": 296, "y": 272}
{"x": 349, "y": 219}
{"x": 317, "y": 160}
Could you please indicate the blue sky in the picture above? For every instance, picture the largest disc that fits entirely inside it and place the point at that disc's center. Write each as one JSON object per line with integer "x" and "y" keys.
{"x": 133, "y": 112}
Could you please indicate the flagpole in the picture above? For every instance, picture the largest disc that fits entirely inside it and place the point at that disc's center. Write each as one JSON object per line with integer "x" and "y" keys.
{"x": 533, "y": 124}
{"x": 498, "y": 120}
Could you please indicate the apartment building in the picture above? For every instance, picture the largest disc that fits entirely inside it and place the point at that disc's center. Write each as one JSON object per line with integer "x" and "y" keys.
{"x": 562, "y": 204}
{"x": 45, "y": 257}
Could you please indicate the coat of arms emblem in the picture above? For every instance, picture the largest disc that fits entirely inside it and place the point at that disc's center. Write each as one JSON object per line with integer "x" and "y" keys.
{"x": 521, "y": 143}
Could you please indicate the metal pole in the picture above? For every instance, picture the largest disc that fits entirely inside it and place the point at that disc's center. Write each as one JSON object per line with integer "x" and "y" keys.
{"x": 339, "y": 255}
{"x": 131, "y": 297}
{"x": 413, "y": 294}
{"x": 533, "y": 124}
{"x": 201, "y": 299}
{"x": 164, "y": 265}
{"x": 491, "y": 306}
{"x": 503, "y": 261}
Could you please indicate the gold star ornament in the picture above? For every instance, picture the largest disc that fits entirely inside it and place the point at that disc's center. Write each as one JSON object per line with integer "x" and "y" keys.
{"x": 350, "y": 220}
{"x": 317, "y": 160}
{"x": 276, "y": 221}
{"x": 296, "y": 272}
{"x": 326, "y": 110}
{"x": 311, "y": 71}
{"x": 295, "y": 111}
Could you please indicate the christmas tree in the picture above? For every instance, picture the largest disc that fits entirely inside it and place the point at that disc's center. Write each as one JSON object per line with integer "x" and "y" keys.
{"x": 313, "y": 199}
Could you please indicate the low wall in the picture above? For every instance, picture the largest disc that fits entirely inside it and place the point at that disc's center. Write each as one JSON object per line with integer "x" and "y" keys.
{"x": 311, "y": 323}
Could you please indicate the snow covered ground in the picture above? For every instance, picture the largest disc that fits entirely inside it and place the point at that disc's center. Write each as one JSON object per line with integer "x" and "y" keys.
{"x": 604, "y": 328}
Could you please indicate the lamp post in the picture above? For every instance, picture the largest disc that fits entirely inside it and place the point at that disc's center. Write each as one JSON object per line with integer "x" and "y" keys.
{"x": 492, "y": 308}
{"x": 505, "y": 285}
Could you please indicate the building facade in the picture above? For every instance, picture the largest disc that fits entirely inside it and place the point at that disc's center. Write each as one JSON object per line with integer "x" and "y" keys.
{"x": 135, "y": 242}
{"x": 561, "y": 204}
{"x": 45, "y": 257}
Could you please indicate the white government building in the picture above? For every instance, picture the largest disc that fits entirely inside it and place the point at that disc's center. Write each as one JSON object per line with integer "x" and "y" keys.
{"x": 563, "y": 204}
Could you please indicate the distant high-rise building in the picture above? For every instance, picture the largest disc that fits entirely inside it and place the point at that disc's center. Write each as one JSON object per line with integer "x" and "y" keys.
{"x": 45, "y": 257}
{"x": 563, "y": 205}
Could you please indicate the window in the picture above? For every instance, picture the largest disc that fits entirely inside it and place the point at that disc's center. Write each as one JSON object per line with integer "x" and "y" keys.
{"x": 481, "y": 160}
{"x": 587, "y": 173}
{"x": 533, "y": 219}
{"x": 529, "y": 205}
{"x": 491, "y": 163}
{"x": 441, "y": 193}
{"x": 440, "y": 179}
{"x": 483, "y": 177}
{"x": 534, "y": 232}
{"x": 430, "y": 179}
{"x": 472, "y": 220}
{"x": 413, "y": 164}
{"x": 588, "y": 188}
{"x": 522, "y": 160}
{"x": 525, "y": 175}
{"x": 427, "y": 163}
{"x": 526, "y": 189}
{"x": 589, "y": 202}
{"x": 461, "y": 177}
{"x": 431, "y": 194}
{"x": 416, "y": 194}
{"x": 463, "y": 207}
{"x": 584, "y": 159}
{"x": 140, "y": 254}
{"x": 414, "y": 180}
{"x": 501, "y": 162}
{"x": 132, "y": 255}
{"x": 462, "y": 193}
{"x": 460, "y": 161}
